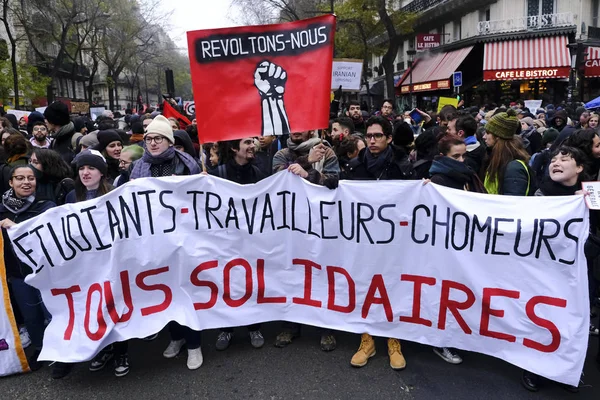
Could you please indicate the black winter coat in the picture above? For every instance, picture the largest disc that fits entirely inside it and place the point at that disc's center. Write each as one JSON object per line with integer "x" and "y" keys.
{"x": 399, "y": 167}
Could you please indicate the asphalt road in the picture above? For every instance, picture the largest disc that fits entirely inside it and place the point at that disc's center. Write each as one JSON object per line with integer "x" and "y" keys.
{"x": 300, "y": 371}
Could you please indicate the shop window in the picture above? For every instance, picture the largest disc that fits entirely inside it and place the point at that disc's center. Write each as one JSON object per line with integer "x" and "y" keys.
{"x": 595, "y": 9}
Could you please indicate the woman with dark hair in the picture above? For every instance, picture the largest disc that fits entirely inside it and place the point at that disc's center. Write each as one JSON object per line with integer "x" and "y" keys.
{"x": 507, "y": 171}
{"x": 588, "y": 142}
{"x": 19, "y": 204}
{"x": 348, "y": 149}
{"x": 110, "y": 144}
{"x": 425, "y": 151}
{"x": 449, "y": 169}
{"x": 16, "y": 148}
{"x": 53, "y": 175}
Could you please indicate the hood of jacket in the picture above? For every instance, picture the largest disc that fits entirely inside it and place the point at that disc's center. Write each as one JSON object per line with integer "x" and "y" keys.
{"x": 186, "y": 141}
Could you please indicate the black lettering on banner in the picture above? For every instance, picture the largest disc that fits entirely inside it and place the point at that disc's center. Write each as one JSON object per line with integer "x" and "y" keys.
{"x": 341, "y": 216}
{"x": 194, "y": 194}
{"x": 27, "y": 253}
{"x": 36, "y": 230}
{"x": 497, "y": 234}
{"x": 466, "y": 230}
{"x": 435, "y": 223}
{"x": 88, "y": 211}
{"x": 235, "y": 46}
{"x": 283, "y": 195}
{"x": 294, "y": 215}
{"x": 360, "y": 221}
{"x": 250, "y": 220}
{"x": 134, "y": 216}
{"x": 324, "y": 218}
{"x": 414, "y": 224}
{"x": 81, "y": 233}
{"x": 267, "y": 214}
{"x": 544, "y": 237}
{"x": 232, "y": 215}
{"x": 57, "y": 242}
{"x": 173, "y": 211}
{"x": 518, "y": 238}
{"x": 389, "y": 221}
{"x": 209, "y": 209}
{"x": 147, "y": 193}
{"x": 113, "y": 221}
{"x": 310, "y": 231}
{"x": 572, "y": 237}
{"x": 487, "y": 226}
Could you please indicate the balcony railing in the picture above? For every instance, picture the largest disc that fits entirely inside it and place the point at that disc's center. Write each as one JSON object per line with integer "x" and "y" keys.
{"x": 421, "y": 5}
{"x": 529, "y": 23}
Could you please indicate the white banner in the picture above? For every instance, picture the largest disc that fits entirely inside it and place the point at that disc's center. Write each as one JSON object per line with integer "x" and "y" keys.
{"x": 347, "y": 74}
{"x": 12, "y": 356}
{"x": 19, "y": 114}
{"x": 497, "y": 275}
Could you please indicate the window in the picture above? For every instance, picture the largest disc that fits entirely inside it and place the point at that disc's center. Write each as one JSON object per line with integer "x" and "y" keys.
{"x": 457, "y": 26}
{"x": 595, "y": 9}
{"x": 484, "y": 15}
{"x": 539, "y": 7}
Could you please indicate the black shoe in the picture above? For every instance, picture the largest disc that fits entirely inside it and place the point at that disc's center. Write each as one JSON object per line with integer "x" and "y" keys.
{"x": 121, "y": 365}
{"x": 223, "y": 340}
{"x": 530, "y": 381}
{"x": 33, "y": 362}
{"x": 328, "y": 342}
{"x": 60, "y": 370}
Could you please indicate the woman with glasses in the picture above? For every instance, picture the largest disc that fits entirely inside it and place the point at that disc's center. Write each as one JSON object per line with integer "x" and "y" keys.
{"x": 162, "y": 159}
{"x": 53, "y": 175}
{"x": 19, "y": 204}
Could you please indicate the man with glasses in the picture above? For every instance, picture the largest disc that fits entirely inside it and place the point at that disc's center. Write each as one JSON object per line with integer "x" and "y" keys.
{"x": 40, "y": 136}
{"x": 387, "y": 110}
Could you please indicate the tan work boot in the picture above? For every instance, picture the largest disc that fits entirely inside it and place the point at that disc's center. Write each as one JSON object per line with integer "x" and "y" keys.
{"x": 365, "y": 351}
{"x": 397, "y": 360}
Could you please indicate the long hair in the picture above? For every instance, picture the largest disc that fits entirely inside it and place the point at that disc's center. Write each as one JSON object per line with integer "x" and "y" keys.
{"x": 503, "y": 152}
{"x": 80, "y": 189}
{"x": 53, "y": 165}
{"x": 583, "y": 140}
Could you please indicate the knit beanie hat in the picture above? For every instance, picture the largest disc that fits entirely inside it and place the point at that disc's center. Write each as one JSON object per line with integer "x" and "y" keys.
{"x": 550, "y": 135}
{"x": 503, "y": 125}
{"x": 137, "y": 128}
{"x": 106, "y": 137}
{"x": 93, "y": 158}
{"x": 161, "y": 126}
{"x": 528, "y": 121}
{"x": 57, "y": 113}
{"x": 90, "y": 140}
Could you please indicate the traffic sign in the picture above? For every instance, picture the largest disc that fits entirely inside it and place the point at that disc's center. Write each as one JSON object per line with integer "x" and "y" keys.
{"x": 457, "y": 79}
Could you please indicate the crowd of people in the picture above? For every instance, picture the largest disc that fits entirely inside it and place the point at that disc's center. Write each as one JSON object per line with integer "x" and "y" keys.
{"x": 52, "y": 159}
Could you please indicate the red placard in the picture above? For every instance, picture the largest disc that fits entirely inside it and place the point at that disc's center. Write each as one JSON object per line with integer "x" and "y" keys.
{"x": 262, "y": 80}
{"x": 426, "y": 41}
{"x": 525, "y": 74}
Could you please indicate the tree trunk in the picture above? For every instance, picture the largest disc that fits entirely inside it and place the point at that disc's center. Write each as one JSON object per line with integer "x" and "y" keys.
{"x": 111, "y": 93}
{"x": 388, "y": 66}
{"x": 13, "y": 54}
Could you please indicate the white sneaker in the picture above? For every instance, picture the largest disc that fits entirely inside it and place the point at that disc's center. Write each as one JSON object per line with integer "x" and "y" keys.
{"x": 25, "y": 339}
{"x": 173, "y": 348}
{"x": 447, "y": 355}
{"x": 195, "y": 359}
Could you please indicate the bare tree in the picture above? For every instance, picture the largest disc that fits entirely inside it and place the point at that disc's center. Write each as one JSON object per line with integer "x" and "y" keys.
{"x": 255, "y": 12}
{"x": 6, "y": 20}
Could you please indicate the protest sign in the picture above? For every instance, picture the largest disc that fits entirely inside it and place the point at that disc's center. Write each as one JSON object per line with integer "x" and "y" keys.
{"x": 80, "y": 107}
{"x": 346, "y": 73}
{"x": 189, "y": 107}
{"x": 592, "y": 200}
{"x": 12, "y": 356}
{"x": 262, "y": 80}
{"x": 41, "y": 109}
{"x": 18, "y": 113}
{"x": 442, "y": 267}
{"x": 95, "y": 112}
{"x": 447, "y": 101}
{"x": 533, "y": 105}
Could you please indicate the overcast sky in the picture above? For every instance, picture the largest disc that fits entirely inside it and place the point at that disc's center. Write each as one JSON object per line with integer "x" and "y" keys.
{"x": 190, "y": 15}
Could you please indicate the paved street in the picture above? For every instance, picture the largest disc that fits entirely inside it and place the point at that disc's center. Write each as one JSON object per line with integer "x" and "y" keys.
{"x": 301, "y": 371}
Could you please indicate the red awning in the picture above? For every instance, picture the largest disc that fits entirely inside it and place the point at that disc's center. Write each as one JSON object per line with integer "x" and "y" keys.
{"x": 592, "y": 62}
{"x": 432, "y": 72}
{"x": 538, "y": 58}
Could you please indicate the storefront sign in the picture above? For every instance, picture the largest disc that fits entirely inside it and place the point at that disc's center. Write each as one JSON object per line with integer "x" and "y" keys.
{"x": 522, "y": 74}
{"x": 423, "y": 87}
{"x": 426, "y": 41}
{"x": 592, "y": 68}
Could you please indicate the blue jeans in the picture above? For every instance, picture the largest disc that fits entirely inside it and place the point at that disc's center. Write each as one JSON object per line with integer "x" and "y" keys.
{"x": 32, "y": 308}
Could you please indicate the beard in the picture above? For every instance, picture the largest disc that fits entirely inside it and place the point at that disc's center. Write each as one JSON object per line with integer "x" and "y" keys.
{"x": 40, "y": 139}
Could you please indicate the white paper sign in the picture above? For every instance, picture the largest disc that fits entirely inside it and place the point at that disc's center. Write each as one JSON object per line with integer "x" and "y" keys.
{"x": 18, "y": 113}
{"x": 533, "y": 105}
{"x": 397, "y": 259}
{"x": 346, "y": 74}
{"x": 593, "y": 199}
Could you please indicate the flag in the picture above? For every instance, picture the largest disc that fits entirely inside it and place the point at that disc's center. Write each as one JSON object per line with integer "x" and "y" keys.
{"x": 169, "y": 111}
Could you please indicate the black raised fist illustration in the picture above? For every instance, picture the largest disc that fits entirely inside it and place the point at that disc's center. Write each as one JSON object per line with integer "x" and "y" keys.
{"x": 270, "y": 80}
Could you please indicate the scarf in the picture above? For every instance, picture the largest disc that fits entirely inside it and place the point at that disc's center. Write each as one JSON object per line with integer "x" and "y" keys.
{"x": 65, "y": 130}
{"x": 14, "y": 204}
{"x": 14, "y": 158}
{"x": 457, "y": 171}
{"x": 376, "y": 165}
{"x": 470, "y": 140}
{"x": 550, "y": 188}
{"x": 304, "y": 147}
{"x": 91, "y": 194}
{"x": 141, "y": 168}
{"x": 162, "y": 158}
{"x": 136, "y": 138}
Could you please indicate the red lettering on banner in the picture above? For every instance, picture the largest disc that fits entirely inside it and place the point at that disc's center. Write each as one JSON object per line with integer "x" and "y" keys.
{"x": 307, "y": 300}
{"x": 69, "y": 295}
{"x": 95, "y": 336}
{"x": 487, "y": 310}
{"x": 261, "y": 298}
{"x": 331, "y": 271}
{"x": 418, "y": 281}
{"x": 238, "y": 262}
{"x": 110, "y": 301}
{"x": 139, "y": 280}
{"x": 454, "y": 306}
{"x": 377, "y": 285}
{"x": 544, "y": 323}
{"x": 214, "y": 290}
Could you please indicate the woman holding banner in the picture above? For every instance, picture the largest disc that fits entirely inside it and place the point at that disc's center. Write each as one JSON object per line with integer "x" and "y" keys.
{"x": 20, "y": 204}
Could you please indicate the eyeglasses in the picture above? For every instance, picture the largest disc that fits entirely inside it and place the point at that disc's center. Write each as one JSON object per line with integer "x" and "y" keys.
{"x": 156, "y": 139}
{"x": 40, "y": 129}
{"x": 377, "y": 136}
{"x": 123, "y": 162}
{"x": 22, "y": 178}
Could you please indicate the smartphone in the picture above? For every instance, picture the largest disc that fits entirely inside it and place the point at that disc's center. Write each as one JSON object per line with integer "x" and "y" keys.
{"x": 416, "y": 116}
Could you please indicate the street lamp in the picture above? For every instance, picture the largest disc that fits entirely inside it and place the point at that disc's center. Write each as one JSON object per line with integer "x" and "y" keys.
{"x": 411, "y": 53}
